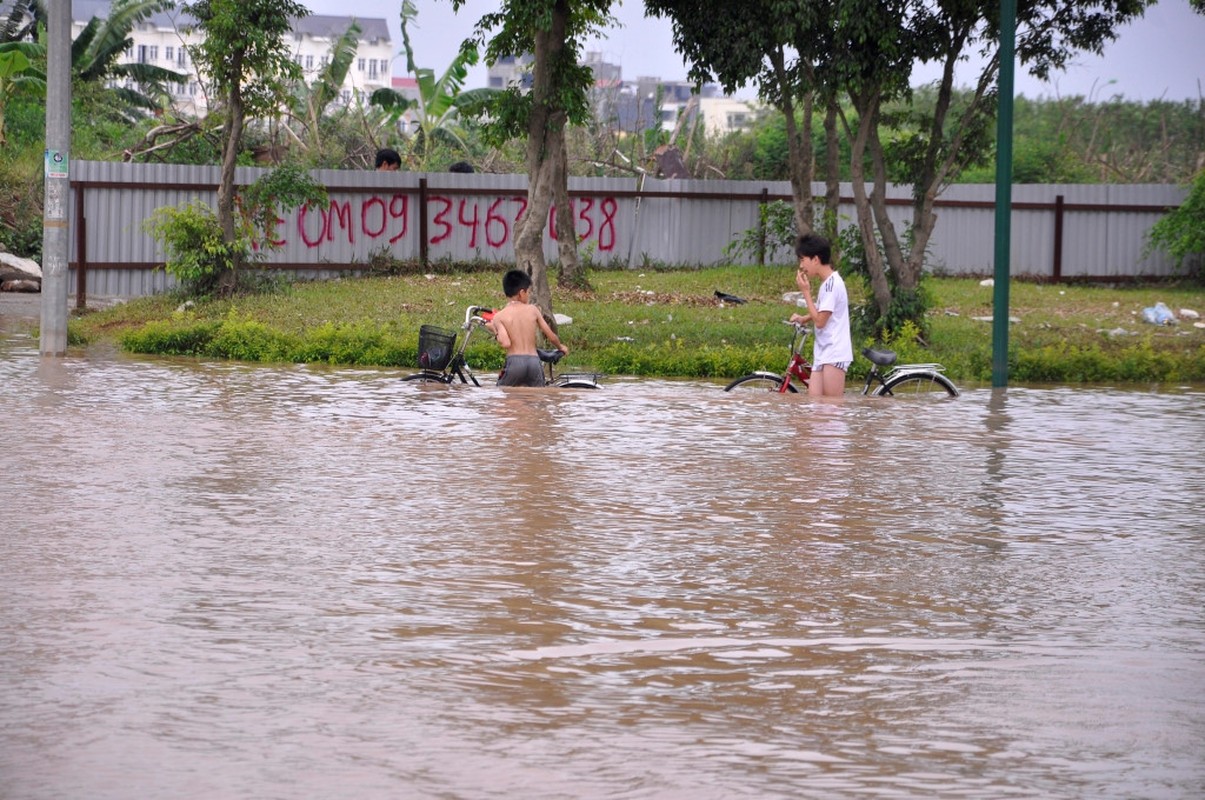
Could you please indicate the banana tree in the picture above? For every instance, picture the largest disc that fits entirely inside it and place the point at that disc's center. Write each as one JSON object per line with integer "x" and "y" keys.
{"x": 17, "y": 72}
{"x": 310, "y": 101}
{"x": 441, "y": 103}
{"x": 97, "y": 51}
{"x": 19, "y": 22}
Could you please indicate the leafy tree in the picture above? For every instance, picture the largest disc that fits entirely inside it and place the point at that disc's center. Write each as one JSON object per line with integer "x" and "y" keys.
{"x": 554, "y": 31}
{"x": 196, "y": 253}
{"x": 199, "y": 255}
{"x": 245, "y": 55}
{"x": 1158, "y": 141}
{"x": 772, "y": 43}
{"x": 1048, "y": 34}
{"x": 864, "y": 51}
{"x": 1073, "y": 140}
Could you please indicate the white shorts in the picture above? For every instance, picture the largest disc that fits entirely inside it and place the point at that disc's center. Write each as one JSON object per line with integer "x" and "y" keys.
{"x": 843, "y": 367}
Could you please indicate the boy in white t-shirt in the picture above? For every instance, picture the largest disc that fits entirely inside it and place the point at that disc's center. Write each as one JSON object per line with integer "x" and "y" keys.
{"x": 833, "y": 351}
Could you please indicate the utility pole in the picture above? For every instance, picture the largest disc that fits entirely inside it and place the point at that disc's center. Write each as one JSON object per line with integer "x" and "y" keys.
{"x": 1004, "y": 193}
{"x": 56, "y": 242}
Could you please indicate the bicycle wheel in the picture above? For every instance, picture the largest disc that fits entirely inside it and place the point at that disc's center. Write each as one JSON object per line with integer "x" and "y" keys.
{"x": 917, "y": 383}
{"x": 465, "y": 374}
{"x": 424, "y": 377}
{"x": 574, "y": 383}
{"x": 759, "y": 382}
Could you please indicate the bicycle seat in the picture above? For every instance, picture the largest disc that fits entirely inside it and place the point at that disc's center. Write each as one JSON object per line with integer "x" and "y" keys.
{"x": 884, "y": 358}
{"x": 551, "y": 356}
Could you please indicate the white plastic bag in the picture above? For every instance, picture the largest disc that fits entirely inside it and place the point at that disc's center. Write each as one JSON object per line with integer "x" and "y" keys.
{"x": 1159, "y": 314}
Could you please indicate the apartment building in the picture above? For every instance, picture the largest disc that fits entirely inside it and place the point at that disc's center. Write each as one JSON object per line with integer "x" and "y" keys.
{"x": 160, "y": 40}
{"x": 648, "y": 103}
{"x": 510, "y": 71}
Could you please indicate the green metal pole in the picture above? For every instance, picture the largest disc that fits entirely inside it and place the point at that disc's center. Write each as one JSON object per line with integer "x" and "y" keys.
{"x": 1004, "y": 192}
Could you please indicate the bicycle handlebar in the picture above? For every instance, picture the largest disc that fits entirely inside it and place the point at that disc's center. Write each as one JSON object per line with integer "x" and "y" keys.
{"x": 475, "y": 311}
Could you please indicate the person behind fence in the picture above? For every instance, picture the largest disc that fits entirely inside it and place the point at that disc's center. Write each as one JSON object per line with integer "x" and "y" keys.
{"x": 833, "y": 350}
{"x": 515, "y": 325}
{"x": 388, "y": 160}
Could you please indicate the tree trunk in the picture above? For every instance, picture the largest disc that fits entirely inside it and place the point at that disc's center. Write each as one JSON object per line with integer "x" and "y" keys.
{"x": 571, "y": 272}
{"x": 874, "y": 259}
{"x": 832, "y": 171}
{"x": 545, "y": 146}
{"x": 892, "y": 251}
{"x": 934, "y": 170}
{"x": 232, "y": 136}
{"x": 799, "y": 151}
{"x": 529, "y": 232}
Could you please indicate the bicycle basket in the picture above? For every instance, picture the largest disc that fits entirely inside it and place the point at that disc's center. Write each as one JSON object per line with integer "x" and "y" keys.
{"x": 435, "y": 347}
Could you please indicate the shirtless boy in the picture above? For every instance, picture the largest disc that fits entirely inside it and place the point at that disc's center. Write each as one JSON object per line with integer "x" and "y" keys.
{"x": 515, "y": 326}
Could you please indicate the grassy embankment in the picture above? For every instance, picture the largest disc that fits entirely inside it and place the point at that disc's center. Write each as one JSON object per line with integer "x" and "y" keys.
{"x": 669, "y": 324}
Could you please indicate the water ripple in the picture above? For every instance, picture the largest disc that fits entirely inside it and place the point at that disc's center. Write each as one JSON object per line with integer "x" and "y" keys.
{"x": 309, "y": 582}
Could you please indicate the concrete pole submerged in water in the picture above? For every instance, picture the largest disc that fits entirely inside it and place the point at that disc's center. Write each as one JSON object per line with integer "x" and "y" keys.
{"x": 56, "y": 241}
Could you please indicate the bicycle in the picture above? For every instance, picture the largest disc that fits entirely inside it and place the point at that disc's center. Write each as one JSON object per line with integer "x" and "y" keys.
{"x": 440, "y": 360}
{"x": 899, "y": 379}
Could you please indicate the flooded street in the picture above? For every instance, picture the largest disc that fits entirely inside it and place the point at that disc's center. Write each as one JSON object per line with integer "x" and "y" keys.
{"x": 233, "y": 581}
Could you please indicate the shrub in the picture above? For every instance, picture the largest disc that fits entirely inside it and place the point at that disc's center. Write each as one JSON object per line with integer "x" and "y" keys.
{"x": 248, "y": 340}
{"x": 1182, "y": 232}
{"x": 171, "y": 338}
{"x": 20, "y": 205}
{"x": 1069, "y": 363}
{"x": 196, "y": 254}
{"x": 284, "y": 188}
{"x": 774, "y": 232}
{"x": 360, "y": 343}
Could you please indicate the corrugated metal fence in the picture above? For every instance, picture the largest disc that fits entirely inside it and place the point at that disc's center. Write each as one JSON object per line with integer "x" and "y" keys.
{"x": 1058, "y": 231}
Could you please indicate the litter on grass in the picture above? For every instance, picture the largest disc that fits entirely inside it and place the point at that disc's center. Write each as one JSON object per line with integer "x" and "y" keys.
{"x": 1159, "y": 314}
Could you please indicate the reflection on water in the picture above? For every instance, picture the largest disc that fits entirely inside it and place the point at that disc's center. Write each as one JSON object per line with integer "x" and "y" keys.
{"x": 232, "y": 581}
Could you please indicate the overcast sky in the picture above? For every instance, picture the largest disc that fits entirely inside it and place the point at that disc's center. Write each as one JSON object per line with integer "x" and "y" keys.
{"x": 1161, "y": 55}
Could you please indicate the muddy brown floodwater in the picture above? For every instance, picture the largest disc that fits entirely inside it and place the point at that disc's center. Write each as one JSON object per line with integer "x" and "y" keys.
{"x": 232, "y": 581}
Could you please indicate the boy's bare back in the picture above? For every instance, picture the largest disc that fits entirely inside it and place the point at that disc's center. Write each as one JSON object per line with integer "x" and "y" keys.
{"x": 516, "y": 324}
{"x": 519, "y": 322}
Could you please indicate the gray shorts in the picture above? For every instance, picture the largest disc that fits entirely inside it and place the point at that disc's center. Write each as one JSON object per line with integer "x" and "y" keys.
{"x": 522, "y": 371}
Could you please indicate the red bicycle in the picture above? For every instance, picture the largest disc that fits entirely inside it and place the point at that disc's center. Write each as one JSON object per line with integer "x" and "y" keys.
{"x": 899, "y": 379}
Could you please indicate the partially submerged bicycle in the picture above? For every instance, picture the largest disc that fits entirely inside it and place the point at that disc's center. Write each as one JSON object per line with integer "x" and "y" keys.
{"x": 898, "y": 380}
{"x": 442, "y": 361}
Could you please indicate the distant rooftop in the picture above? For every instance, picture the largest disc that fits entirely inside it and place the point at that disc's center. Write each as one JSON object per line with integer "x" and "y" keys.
{"x": 317, "y": 25}
{"x": 372, "y": 28}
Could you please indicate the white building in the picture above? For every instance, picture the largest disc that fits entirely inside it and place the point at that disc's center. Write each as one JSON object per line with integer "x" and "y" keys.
{"x": 726, "y": 114}
{"x": 315, "y": 35}
{"x": 650, "y": 102}
{"x": 510, "y": 71}
{"x": 159, "y": 40}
